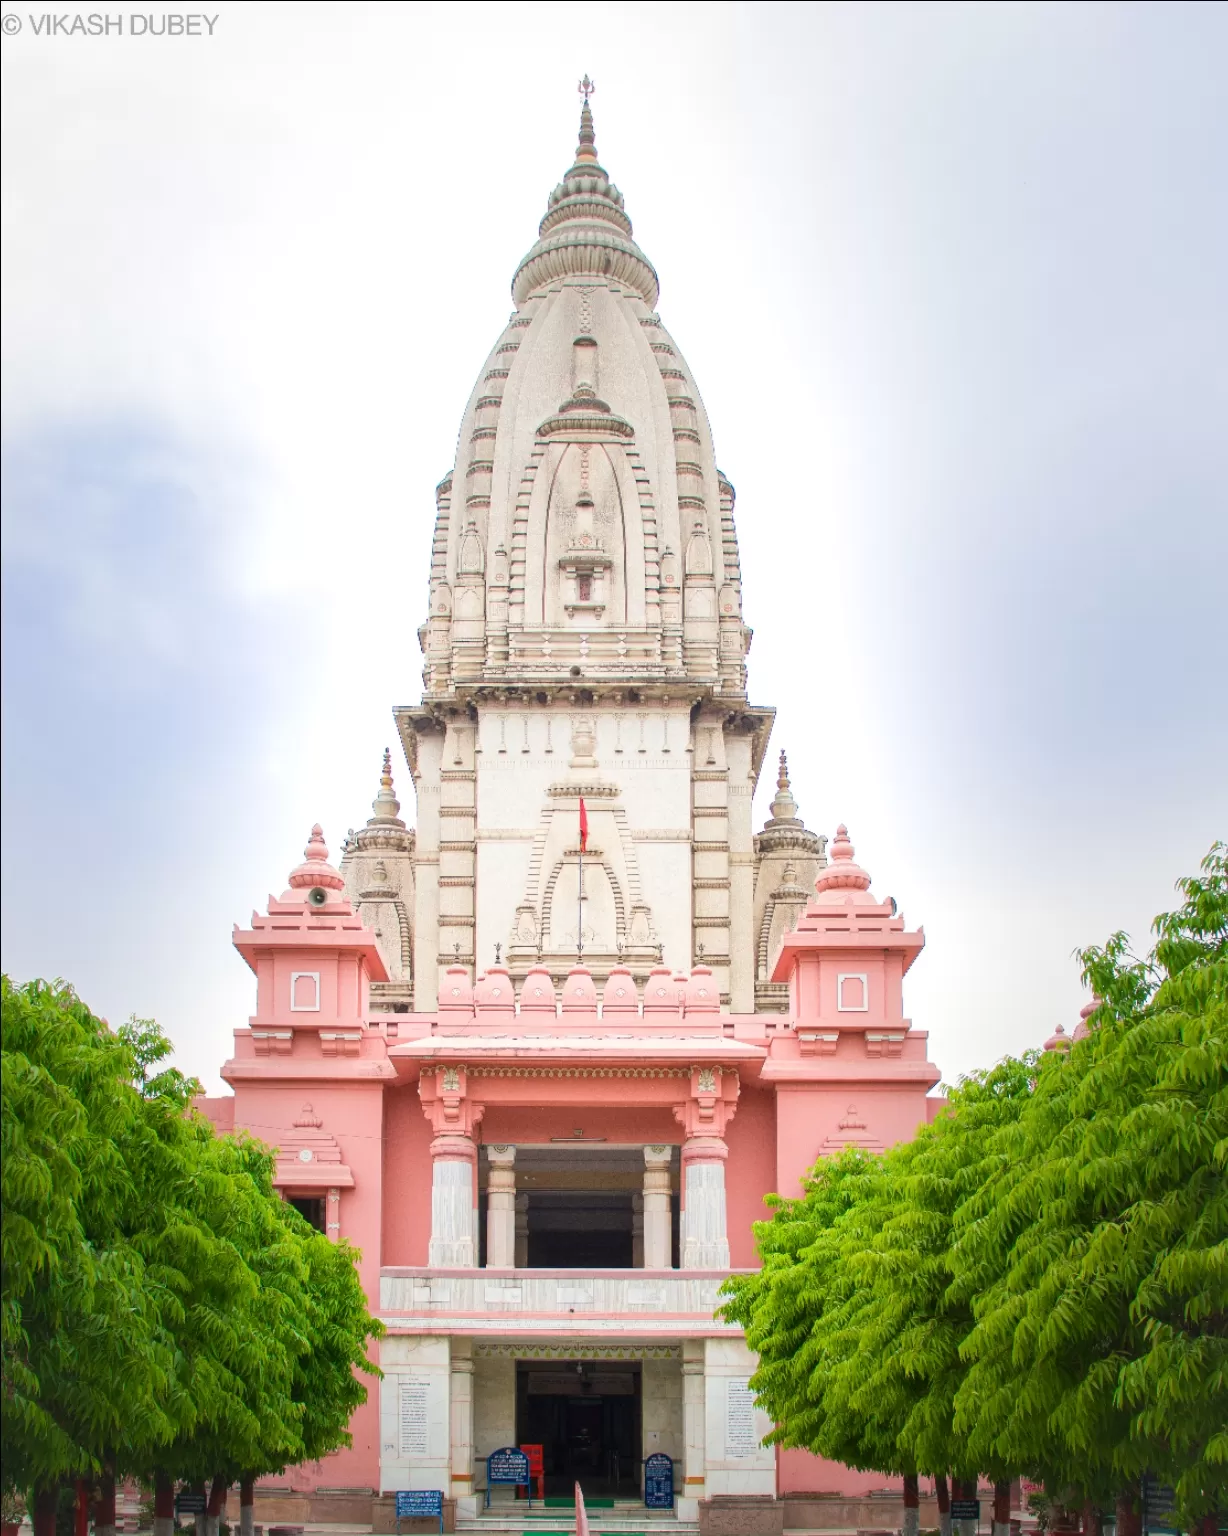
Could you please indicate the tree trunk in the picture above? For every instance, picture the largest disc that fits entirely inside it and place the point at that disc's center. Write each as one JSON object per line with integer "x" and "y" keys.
{"x": 164, "y": 1505}
{"x": 943, "y": 1494}
{"x": 45, "y": 1501}
{"x": 216, "y": 1506}
{"x": 912, "y": 1505}
{"x": 201, "y": 1521}
{"x": 1089, "y": 1519}
{"x": 81, "y": 1508}
{"x": 247, "y": 1507}
{"x": 1129, "y": 1512}
{"x": 104, "y": 1510}
{"x": 1001, "y": 1509}
{"x": 965, "y": 1488}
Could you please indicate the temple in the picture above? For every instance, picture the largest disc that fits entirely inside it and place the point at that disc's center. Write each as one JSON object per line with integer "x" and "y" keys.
{"x": 541, "y": 1053}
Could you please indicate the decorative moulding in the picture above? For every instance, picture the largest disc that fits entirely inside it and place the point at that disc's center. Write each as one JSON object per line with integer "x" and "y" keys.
{"x": 304, "y": 991}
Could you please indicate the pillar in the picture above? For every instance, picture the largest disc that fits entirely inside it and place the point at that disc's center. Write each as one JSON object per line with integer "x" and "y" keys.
{"x": 453, "y": 1163}
{"x": 693, "y": 1427}
{"x": 637, "y": 1231}
{"x": 522, "y": 1231}
{"x": 460, "y": 1451}
{"x": 657, "y": 1243}
{"x": 332, "y": 1218}
{"x": 705, "y": 1243}
{"x": 501, "y": 1208}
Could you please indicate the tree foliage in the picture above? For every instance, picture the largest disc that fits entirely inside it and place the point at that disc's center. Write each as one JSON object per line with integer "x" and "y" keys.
{"x": 1037, "y": 1285}
{"x": 164, "y": 1311}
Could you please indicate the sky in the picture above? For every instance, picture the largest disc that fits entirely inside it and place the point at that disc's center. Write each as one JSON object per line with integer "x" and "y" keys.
{"x": 951, "y": 279}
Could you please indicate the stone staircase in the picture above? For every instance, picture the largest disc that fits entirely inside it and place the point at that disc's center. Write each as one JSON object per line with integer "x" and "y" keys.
{"x": 625, "y": 1517}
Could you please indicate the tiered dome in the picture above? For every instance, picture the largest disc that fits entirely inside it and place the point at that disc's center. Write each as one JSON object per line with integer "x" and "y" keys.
{"x": 586, "y": 229}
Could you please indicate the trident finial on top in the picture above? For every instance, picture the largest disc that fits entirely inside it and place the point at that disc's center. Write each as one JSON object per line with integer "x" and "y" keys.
{"x": 586, "y": 89}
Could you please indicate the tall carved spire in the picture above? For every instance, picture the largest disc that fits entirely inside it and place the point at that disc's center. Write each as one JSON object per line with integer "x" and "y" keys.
{"x": 586, "y": 228}
{"x": 386, "y": 806}
{"x": 784, "y": 806}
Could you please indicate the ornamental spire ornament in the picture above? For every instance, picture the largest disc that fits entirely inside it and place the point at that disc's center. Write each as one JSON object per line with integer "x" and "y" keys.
{"x": 586, "y": 229}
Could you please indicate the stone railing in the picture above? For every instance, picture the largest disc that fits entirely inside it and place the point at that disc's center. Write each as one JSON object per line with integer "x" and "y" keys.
{"x": 544, "y": 1300}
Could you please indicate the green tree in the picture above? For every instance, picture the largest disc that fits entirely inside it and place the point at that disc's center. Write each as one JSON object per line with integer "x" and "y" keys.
{"x": 165, "y": 1313}
{"x": 1097, "y": 1255}
{"x": 85, "y": 1359}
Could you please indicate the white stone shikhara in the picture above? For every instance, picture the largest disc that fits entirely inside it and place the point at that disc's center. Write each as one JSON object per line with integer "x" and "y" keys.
{"x": 501, "y": 1208}
{"x": 705, "y": 1240}
{"x": 452, "y": 1213}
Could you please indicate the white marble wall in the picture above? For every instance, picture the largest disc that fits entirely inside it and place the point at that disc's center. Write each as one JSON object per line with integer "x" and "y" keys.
{"x": 735, "y": 1459}
{"x": 414, "y": 1412}
{"x": 538, "y": 1300}
{"x": 662, "y": 1412}
{"x": 494, "y": 1415}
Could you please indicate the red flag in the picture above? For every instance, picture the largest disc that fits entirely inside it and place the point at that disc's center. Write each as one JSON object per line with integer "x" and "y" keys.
{"x": 583, "y": 827}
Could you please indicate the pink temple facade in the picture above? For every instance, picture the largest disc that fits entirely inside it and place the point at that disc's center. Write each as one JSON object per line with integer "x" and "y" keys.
{"x": 550, "y": 1163}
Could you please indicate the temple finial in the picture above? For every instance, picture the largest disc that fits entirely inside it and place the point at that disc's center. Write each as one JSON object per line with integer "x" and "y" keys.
{"x": 784, "y": 806}
{"x": 586, "y": 150}
{"x": 385, "y": 806}
{"x": 842, "y": 874}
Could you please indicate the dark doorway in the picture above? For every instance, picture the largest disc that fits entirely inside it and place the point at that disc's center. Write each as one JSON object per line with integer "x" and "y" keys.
{"x": 585, "y": 1414}
{"x": 580, "y": 1229}
{"x": 311, "y": 1207}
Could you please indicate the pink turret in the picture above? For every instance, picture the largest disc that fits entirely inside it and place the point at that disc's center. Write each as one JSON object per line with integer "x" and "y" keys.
{"x": 313, "y": 958}
{"x": 846, "y": 959}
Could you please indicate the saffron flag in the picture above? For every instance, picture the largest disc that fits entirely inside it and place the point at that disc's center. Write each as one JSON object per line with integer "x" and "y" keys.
{"x": 583, "y": 827}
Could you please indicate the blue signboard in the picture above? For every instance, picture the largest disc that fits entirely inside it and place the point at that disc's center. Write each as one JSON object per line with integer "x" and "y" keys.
{"x": 659, "y": 1482}
{"x": 965, "y": 1509}
{"x": 508, "y": 1465}
{"x": 190, "y": 1501}
{"x": 1159, "y": 1501}
{"x": 420, "y": 1504}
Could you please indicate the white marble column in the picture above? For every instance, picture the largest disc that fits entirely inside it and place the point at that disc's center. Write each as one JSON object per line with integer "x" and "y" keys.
{"x": 453, "y": 1164}
{"x": 694, "y": 1433}
{"x": 657, "y": 1243}
{"x": 501, "y": 1208}
{"x": 705, "y": 1243}
{"x": 522, "y": 1231}
{"x": 460, "y": 1448}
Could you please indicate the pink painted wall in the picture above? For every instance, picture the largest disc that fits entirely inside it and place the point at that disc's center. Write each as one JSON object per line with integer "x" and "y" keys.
{"x": 407, "y": 1178}
{"x": 799, "y": 1472}
{"x": 750, "y": 1171}
{"x": 353, "y": 1112}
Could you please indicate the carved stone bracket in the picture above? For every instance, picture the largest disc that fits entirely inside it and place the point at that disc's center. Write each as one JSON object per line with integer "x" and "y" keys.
{"x": 712, "y": 1103}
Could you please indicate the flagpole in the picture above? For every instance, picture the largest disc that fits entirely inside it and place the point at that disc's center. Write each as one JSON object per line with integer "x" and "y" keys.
{"x": 580, "y": 913}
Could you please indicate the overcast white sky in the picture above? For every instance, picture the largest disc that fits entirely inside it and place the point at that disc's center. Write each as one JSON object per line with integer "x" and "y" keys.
{"x": 951, "y": 278}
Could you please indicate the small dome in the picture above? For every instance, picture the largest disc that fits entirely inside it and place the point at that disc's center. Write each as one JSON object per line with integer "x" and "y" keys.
{"x": 315, "y": 871}
{"x": 1083, "y": 1028}
{"x": 702, "y": 994}
{"x": 537, "y": 993}
{"x": 842, "y": 878}
{"x": 580, "y": 991}
{"x": 661, "y": 992}
{"x": 455, "y": 992}
{"x": 620, "y": 994}
{"x": 1059, "y": 1040}
{"x": 494, "y": 992}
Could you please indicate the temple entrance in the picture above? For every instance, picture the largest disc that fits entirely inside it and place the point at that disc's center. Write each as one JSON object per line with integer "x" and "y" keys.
{"x": 585, "y": 1414}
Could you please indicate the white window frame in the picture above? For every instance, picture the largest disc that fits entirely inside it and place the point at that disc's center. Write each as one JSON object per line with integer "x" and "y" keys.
{"x": 298, "y": 1007}
{"x": 864, "y": 979}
